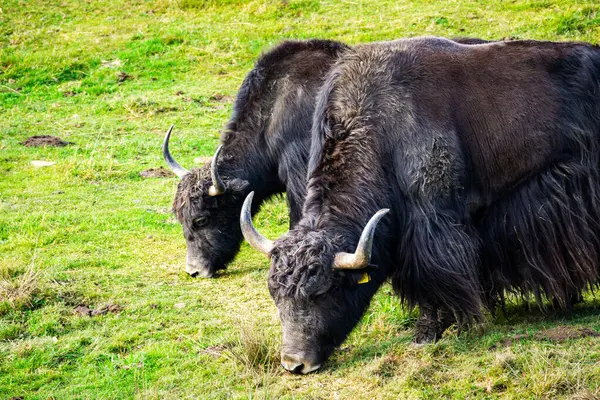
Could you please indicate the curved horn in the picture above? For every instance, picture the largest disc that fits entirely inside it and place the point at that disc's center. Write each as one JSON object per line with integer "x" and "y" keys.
{"x": 217, "y": 187}
{"x": 255, "y": 239}
{"x": 173, "y": 165}
{"x": 361, "y": 257}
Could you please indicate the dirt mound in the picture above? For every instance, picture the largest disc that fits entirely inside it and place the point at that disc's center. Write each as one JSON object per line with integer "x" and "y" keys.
{"x": 562, "y": 333}
{"x": 45, "y": 140}
{"x": 557, "y": 334}
{"x": 84, "y": 310}
{"x": 156, "y": 173}
{"x": 123, "y": 76}
{"x": 221, "y": 98}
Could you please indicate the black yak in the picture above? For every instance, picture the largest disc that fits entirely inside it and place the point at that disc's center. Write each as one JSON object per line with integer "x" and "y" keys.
{"x": 487, "y": 157}
{"x": 264, "y": 148}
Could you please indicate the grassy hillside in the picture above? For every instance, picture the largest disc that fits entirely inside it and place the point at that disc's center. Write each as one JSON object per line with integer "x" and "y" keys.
{"x": 89, "y": 233}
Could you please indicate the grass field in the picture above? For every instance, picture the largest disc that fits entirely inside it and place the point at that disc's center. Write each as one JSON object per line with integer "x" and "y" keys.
{"x": 110, "y": 77}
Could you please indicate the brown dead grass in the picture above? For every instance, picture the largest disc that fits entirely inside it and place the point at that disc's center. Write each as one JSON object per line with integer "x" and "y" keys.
{"x": 585, "y": 395}
{"x": 17, "y": 288}
{"x": 255, "y": 348}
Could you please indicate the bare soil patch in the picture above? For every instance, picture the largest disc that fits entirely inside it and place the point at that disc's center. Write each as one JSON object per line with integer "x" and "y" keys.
{"x": 156, "y": 173}
{"x": 45, "y": 140}
{"x": 221, "y": 98}
{"x": 557, "y": 334}
{"x": 85, "y": 310}
{"x": 82, "y": 310}
{"x": 562, "y": 333}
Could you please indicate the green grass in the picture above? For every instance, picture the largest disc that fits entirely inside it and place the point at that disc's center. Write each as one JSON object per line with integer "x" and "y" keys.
{"x": 111, "y": 77}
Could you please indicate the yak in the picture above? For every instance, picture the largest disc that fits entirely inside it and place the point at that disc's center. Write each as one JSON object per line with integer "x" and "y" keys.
{"x": 486, "y": 157}
{"x": 264, "y": 148}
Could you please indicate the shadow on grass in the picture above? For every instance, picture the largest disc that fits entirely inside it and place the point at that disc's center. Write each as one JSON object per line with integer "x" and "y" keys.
{"x": 529, "y": 312}
{"x": 240, "y": 271}
{"x": 351, "y": 355}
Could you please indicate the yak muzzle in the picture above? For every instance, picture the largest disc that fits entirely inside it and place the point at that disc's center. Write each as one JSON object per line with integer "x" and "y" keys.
{"x": 297, "y": 364}
{"x": 198, "y": 270}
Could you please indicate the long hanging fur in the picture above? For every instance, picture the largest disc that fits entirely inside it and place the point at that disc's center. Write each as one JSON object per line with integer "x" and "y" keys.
{"x": 439, "y": 262}
{"x": 543, "y": 239}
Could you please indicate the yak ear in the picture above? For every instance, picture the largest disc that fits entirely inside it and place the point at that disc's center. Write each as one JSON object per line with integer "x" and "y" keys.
{"x": 238, "y": 186}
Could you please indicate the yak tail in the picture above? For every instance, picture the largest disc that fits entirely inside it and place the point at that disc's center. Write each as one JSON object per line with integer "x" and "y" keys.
{"x": 439, "y": 264}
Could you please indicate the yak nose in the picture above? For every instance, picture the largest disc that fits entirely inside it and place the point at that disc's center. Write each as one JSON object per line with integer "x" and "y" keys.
{"x": 295, "y": 364}
{"x": 196, "y": 266}
{"x": 196, "y": 272}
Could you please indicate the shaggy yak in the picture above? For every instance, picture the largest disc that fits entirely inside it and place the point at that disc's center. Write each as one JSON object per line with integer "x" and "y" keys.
{"x": 264, "y": 148}
{"x": 486, "y": 156}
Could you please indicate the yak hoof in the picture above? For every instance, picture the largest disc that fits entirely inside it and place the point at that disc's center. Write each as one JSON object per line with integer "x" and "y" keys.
{"x": 424, "y": 337}
{"x": 427, "y": 331}
{"x": 431, "y": 326}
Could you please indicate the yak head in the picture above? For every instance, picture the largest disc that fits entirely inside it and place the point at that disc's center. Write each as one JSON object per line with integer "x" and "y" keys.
{"x": 320, "y": 292}
{"x": 207, "y": 207}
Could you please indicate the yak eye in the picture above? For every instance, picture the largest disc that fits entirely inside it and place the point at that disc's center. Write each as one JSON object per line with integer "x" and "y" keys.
{"x": 200, "y": 222}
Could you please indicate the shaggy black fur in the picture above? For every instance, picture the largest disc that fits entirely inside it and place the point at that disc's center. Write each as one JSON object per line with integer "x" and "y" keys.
{"x": 265, "y": 149}
{"x": 543, "y": 239}
{"x": 488, "y": 157}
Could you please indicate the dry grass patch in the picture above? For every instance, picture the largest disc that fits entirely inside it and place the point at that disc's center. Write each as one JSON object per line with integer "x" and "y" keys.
{"x": 255, "y": 348}
{"x": 586, "y": 395}
{"x": 553, "y": 372}
{"x": 17, "y": 287}
{"x": 412, "y": 366}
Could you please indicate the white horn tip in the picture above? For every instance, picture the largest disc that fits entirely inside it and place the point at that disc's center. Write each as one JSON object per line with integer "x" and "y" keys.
{"x": 212, "y": 191}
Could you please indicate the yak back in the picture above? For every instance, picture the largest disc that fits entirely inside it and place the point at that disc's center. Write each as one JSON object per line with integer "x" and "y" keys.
{"x": 270, "y": 125}
{"x": 283, "y": 79}
{"x": 271, "y": 106}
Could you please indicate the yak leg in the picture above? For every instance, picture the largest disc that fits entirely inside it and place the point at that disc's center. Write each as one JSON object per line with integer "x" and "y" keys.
{"x": 572, "y": 298}
{"x": 575, "y": 298}
{"x": 428, "y": 325}
{"x": 445, "y": 318}
{"x": 432, "y": 323}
